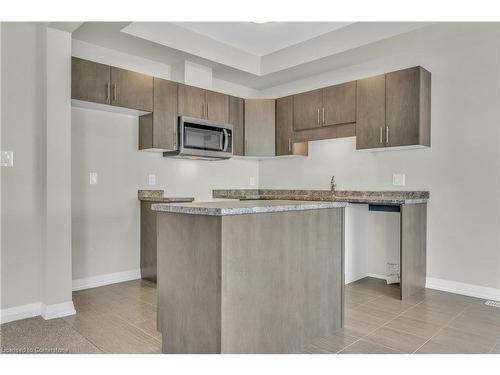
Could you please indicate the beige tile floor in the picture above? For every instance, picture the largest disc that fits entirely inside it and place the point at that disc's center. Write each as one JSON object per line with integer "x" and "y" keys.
{"x": 121, "y": 318}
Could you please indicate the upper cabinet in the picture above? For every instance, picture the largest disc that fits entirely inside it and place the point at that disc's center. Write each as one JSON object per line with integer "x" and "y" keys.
{"x": 158, "y": 130}
{"x": 388, "y": 110}
{"x": 237, "y": 119}
{"x": 217, "y": 106}
{"x": 200, "y": 103}
{"x": 191, "y": 101}
{"x": 98, "y": 83}
{"x": 332, "y": 105}
{"x": 307, "y": 110}
{"x": 259, "y": 127}
{"x": 131, "y": 90}
{"x": 339, "y": 104}
{"x": 394, "y": 109}
{"x": 370, "y": 112}
{"x": 285, "y": 142}
{"x": 90, "y": 81}
{"x": 408, "y": 107}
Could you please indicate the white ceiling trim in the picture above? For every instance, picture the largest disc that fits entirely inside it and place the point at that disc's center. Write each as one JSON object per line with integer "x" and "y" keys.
{"x": 342, "y": 39}
{"x": 335, "y": 42}
{"x": 187, "y": 41}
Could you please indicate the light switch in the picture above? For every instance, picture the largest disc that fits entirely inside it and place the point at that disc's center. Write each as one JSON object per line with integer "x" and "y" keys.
{"x": 398, "y": 179}
{"x": 6, "y": 158}
{"x": 152, "y": 179}
{"x": 93, "y": 178}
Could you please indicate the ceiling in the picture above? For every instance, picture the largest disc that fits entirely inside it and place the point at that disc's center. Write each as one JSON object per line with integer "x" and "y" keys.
{"x": 255, "y": 55}
{"x": 261, "y": 38}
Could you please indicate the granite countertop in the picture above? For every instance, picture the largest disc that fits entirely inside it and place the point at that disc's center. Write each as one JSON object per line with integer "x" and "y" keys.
{"x": 350, "y": 196}
{"x": 244, "y": 207}
{"x": 158, "y": 196}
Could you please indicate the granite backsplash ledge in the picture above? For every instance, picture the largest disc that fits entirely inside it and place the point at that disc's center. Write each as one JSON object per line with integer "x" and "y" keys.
{"x": 353, "y": 196}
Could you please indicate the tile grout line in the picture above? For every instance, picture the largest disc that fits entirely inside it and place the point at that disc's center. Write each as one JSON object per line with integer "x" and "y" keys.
{"x": 494, "y": 346}
{"x": 87, "y": 338}
{"x": 369, "y": 333}
{"x": 440, "y": 329}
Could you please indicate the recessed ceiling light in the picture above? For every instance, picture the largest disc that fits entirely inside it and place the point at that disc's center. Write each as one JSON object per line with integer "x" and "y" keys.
{"x": 261, "y": 22}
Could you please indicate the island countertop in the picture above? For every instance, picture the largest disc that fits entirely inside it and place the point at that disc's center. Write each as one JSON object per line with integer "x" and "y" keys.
{"x": 244, "y": 207}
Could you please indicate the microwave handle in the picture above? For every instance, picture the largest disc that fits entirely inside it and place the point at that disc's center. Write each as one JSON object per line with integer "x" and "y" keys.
{"x": 226, "y": 139}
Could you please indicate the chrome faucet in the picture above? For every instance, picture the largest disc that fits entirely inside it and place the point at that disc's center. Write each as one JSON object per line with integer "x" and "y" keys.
{"x": 332, "y": 184}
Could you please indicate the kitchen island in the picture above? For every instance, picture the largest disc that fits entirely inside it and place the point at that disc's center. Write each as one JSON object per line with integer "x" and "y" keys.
{"x": 411, "y": 206}
{"x": 249, "y": 276}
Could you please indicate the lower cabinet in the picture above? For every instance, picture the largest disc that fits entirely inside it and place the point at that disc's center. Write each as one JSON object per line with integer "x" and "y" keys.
{"x": 260, "y": 127}
{"x": 158, "y": 130}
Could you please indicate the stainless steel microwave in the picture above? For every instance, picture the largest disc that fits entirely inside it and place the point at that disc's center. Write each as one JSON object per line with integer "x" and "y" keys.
{"x": 202, "y": 139}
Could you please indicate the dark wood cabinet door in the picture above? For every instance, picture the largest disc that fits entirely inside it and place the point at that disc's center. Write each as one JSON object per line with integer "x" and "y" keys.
{"x": 403, "y": 107}
{"x": 217, "y": 106}
{"x": 260, "y": 131}
{"x": 284, "y": 126}
{"x": 339, "y": 104}
{"x": 236, "y": 118}
{"x": 131, "y": 89}
{"x": 370, "y": 112}
{"x": 90, "y": 81}
{"x": 191, "y": 101}
{"x": 306, "y": 110}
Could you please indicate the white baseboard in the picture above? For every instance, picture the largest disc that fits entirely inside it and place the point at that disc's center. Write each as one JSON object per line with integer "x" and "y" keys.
{"x": 110, "y": 278}
{"x": 20, "y": 312}
{"x": 58, "y": 310}
{"x": 35, "y": 309}
{"x": 464, "y": 289}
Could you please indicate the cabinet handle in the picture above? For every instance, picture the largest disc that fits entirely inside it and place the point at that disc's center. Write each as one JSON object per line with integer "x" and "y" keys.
{"x": 107, "y": 91}
{"x": 246, "y": 146}
{"x": 202, "y": 110}
{"x": 386, "y": 134}
{"x": 323, "y": 115}
{"x": 206, "y": 114}
{"x": 114, "y": 92}
{"x": 318, "y": 116}
{"x": 289, "y": 144}
{"x": 380, "y": 140}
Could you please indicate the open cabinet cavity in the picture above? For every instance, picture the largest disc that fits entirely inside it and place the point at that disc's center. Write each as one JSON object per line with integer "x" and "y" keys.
{"x": 380, "y": 235}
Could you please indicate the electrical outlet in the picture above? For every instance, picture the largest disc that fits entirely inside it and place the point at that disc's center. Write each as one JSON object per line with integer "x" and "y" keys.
{"x": 93, "y": 178}
{"x": 398, "y": 179}
{"x": 152, "y": 179}
{"x": 6, "y": 159}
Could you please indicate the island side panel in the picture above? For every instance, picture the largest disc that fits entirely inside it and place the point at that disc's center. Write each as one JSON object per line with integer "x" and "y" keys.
{"x": 413, "y": 248}
{"x": 148, "y": 242}
{"x": 189, "y": 282}
{"x": 281, "y": 280}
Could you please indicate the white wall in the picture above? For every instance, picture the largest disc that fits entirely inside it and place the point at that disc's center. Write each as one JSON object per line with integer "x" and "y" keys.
{"x": 36, "y": 203}
{"x": 22, "y": 185}
{"x": 461, "y": 169}
{"x": 106, "y": 215}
